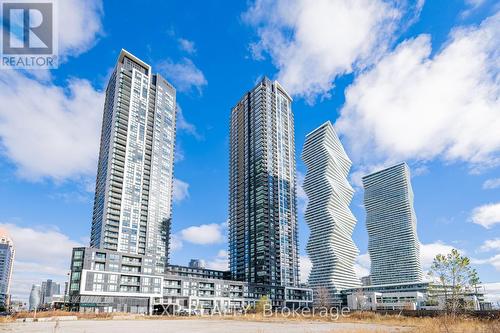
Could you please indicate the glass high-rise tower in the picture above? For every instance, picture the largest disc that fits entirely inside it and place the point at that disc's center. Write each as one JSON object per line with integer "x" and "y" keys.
{"x": 263, "y": 245}
{"x": 393, "y": 243}
{"x": 132, "y": 205}
{"x": 6, "y": 263}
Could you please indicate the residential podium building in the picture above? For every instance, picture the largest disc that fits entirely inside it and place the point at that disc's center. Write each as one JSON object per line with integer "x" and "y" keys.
{"x": 133, "y": 198}
{"x": 111, "y": 281}
{"x": 263, "y": 244}
{"x": 391, "y": 222}
{"x": 331, "y": 223}
{"x": 6, "y": 263}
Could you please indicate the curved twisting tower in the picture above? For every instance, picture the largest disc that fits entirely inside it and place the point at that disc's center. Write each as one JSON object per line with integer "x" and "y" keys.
{"x": 330, "y": 246}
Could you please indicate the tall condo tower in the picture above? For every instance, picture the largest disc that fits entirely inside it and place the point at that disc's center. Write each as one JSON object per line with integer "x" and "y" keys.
{"x": 132, "y": 205}
{"x": 392, "y": 226}
{"x": 6, "y": 262}
{"x": 331, "y": 223}
{"x": 263, "y": 245}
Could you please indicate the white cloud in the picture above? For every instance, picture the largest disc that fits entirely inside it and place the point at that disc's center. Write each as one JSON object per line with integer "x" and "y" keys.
{"x": 429, "y": 251}
{"x": 187, "y": 45}
{"x": 49, "y": 131}
{"x": 472, "y": 5}
{"x": 181, "y": 190}
{"x": 223, "y": 254}
{"x": 493, "y": 261}
{"x": 220, "y": 262}
{"x": 301, "y": 194}
{"x": 305, "y": 266}
{"x": 203, "y": 234}
{"x": 79, "y": 25}
{"x": 184, "y": 125}
{"x": 184, "y": 75}
{"x": 486, "y": 215}
{"x": 175, "y": 243}
{"x": 490, "y": 244}
{"x": 492, "y": 291}
{"x": 362, "y": 265}
{"x": 491, "y": 184}
{"x": 41, "y": 252}
{"x": 313, "y": 42}
{"x": 414, "y": 105}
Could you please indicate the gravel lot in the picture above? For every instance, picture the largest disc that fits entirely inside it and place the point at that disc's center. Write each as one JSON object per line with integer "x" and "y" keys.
{"x": 190, "y": 326}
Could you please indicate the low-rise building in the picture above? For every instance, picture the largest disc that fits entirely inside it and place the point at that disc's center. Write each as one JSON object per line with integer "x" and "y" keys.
{"x": 110, "y": 281}
{"x": 405, "y": 296}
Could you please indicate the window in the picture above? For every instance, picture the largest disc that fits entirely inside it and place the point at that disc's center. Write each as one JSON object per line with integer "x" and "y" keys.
{"x": 112, "y": 287}
{"x": 99, "y": 255}
{"x": 97, "y": 287}
{"x": 75, "y": 286}
{"x": 98, "y": 266}
{"x": 78, "y": 255}
{"x": 98, "y": 277}
{"x": 113, "y": 278}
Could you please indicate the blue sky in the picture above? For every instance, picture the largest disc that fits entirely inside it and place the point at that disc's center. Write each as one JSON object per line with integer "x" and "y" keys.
{"x": 401, "y": 80}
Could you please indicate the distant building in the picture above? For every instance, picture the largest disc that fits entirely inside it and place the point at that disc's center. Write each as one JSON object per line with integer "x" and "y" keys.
{"x": 35, "y": 297}
{"x": 17, "y": 306}
{"x": 6, "y": 263}
{"x": 49, "y": 288}
{"x": 331, "y": 223}
{"x": 391, "y": 222}
{"x": 196, "y": 263}
{"x": 263, "y": 231}
{"x": 366, "y": 280}
{"x": 133, "y": 198}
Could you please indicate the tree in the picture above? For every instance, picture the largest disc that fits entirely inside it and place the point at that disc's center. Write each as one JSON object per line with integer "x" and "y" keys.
{"x": 322, "y": 297}
{"x": 360, "y": 299}
{"x": 455, "y": 277}
{"x": 260, "y": 306}
{"x": 474, "y": 280}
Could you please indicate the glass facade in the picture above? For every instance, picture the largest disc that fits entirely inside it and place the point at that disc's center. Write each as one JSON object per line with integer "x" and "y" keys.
{"x": 132, "y": 205}
{"x": 263, "y": 241}
{"x": 6, "y": 264}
